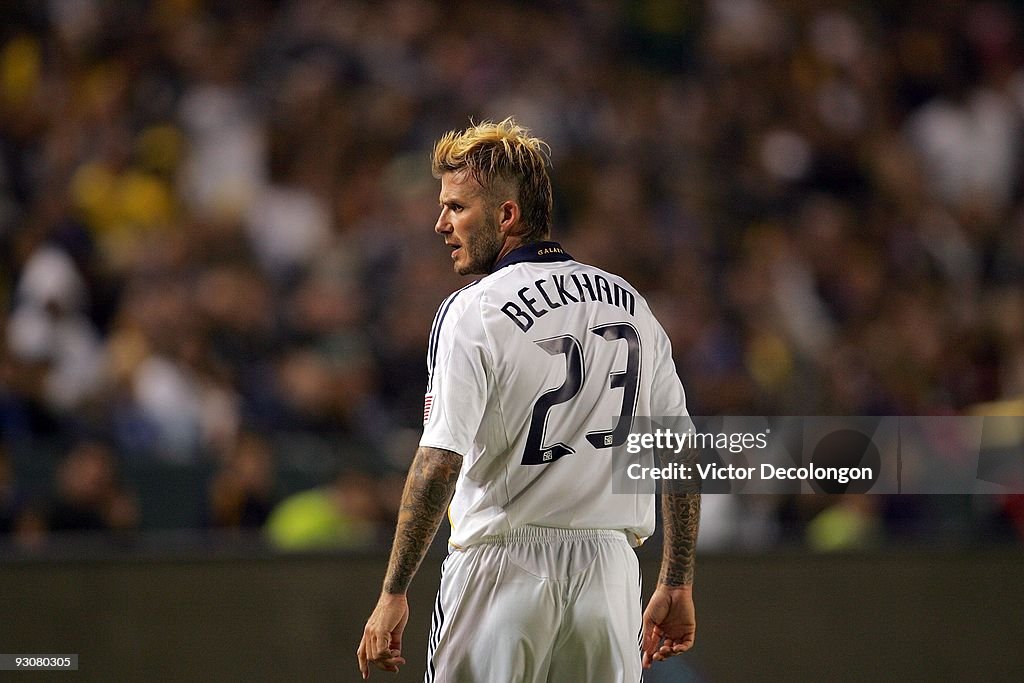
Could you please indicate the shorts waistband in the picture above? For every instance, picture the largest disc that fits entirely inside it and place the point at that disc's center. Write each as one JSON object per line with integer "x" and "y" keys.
{"x": 540, "y": 534}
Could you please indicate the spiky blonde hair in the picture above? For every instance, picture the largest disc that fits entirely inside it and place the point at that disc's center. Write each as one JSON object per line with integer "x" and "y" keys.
{"x": 502, "y": 152}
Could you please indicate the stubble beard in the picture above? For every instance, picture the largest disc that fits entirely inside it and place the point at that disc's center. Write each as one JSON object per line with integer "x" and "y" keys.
{"x": 482, "y": 250}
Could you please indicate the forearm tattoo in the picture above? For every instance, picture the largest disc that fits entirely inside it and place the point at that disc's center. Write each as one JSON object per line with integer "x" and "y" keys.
{"x": 681, "y": 512}
{"x": 428, "y": 490}
{"x": 682, "y": 519}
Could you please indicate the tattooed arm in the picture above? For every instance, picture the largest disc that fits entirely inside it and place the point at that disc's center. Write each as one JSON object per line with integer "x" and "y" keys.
{"x": 670, "y": 621}
{"x": 428, "y": 489}
{"x": 681, "y": 518}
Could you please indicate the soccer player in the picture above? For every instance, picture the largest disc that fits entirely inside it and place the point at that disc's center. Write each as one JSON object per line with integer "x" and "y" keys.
{"x": 535, "y": 373}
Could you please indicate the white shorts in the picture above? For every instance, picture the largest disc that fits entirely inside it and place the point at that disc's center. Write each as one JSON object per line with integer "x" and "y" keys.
{"x": 538, "y": 605}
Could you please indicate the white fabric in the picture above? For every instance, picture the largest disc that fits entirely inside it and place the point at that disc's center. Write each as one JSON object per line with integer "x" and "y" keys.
{"x": 538, "y": 605}
{"x": 488, "y": 372}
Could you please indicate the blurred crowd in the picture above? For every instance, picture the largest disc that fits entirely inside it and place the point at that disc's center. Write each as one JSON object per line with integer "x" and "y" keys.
{"x": 216, "y": 238}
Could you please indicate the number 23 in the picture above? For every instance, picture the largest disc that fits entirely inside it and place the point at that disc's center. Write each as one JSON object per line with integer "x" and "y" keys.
{"x": 628, "y": 380}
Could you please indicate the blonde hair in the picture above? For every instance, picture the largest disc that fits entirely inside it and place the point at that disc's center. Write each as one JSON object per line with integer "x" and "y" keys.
{"x": 502, "y": 152}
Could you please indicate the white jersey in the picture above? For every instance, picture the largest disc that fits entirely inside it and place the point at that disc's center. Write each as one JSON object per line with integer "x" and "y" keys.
{"x": 535, "y": 373}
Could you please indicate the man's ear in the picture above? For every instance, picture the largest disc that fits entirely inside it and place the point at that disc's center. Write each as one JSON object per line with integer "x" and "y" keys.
{"x": 508, "y": 218}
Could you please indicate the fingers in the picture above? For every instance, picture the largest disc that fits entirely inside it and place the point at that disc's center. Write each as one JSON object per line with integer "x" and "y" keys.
{"x": 391, "y": 662}
{"x": 381, "y": 646}
{"x": 649, "y": 644}
{"x": 377, "y": 649}
{"x": 388, "y": 660}
{"x": 668, "y": 647}
{"x": 671, "y": 648}
{"x": 364, "y": 670}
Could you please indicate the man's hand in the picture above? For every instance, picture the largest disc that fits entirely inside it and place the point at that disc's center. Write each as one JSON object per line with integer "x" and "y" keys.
{"x": 382, "y": 635}
{"x": 428, "y": 490}
{"x": 669, "y": 623}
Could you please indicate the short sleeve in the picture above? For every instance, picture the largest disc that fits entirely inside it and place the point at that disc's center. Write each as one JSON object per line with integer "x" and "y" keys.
{"x": 668, "y": 397}
{"x": 458, "y": 384}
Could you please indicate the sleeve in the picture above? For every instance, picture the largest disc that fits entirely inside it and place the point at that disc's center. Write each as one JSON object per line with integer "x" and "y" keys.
{"x": 458, "y": 379}
{"x": 668, "y": 398}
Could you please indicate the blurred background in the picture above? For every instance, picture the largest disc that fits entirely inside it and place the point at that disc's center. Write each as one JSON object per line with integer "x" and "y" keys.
{"x": 218, "y": 270}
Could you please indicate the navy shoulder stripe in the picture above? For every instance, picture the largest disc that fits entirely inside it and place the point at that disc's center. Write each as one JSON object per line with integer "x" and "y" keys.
{"x": 435, "y": 328}
{"x": 435, "y": 332}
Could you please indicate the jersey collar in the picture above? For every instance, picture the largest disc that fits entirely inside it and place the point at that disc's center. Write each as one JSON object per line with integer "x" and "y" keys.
{"x": 535, "y": 252}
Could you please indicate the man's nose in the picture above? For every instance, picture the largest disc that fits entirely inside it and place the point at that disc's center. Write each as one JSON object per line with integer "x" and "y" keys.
{"x": 442, "y": 225}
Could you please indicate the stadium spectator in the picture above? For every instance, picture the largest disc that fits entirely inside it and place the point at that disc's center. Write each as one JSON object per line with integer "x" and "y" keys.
{"x": 89, "y": 495}
{"x": 341, "y": 515}
{"x": 241, "y": 494}
{"x": 20, "y": 519}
